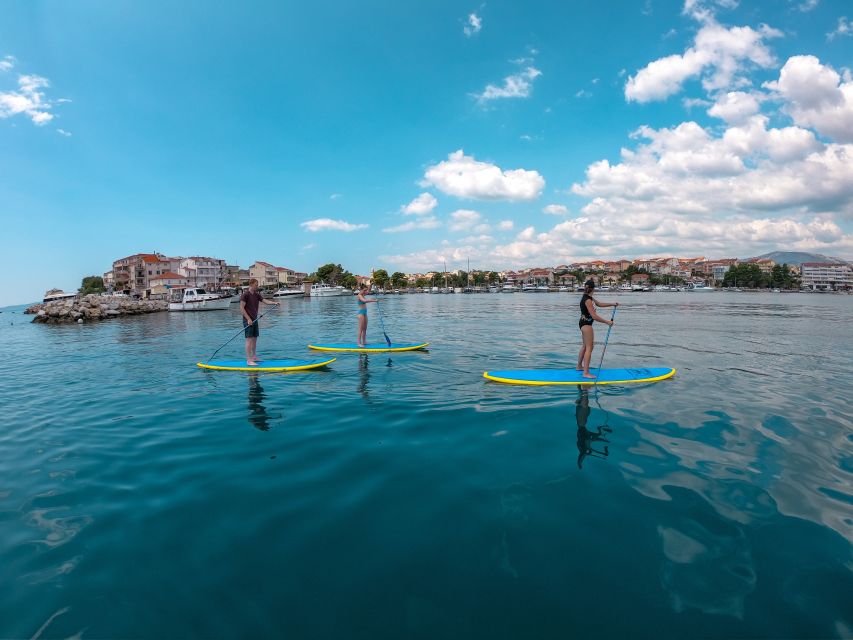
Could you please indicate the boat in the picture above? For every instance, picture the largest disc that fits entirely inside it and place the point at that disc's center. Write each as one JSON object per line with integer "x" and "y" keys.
{"x": 494, "y": 289}
{"x": 542, "y": 288}
{"x": 197, "y": 300}
{"x": 625, "y": 286}
{"x": 288, "y": 292}
{"x": 509, "y": 288}
{"x": 57, "y": 294}
{"x": 322, "y": 290}
{"x": 528, "y": 288}
{"x": 699, "y": 286}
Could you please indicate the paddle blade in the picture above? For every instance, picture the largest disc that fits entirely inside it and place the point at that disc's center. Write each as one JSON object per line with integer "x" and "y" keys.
{"x": 387, "y": 339}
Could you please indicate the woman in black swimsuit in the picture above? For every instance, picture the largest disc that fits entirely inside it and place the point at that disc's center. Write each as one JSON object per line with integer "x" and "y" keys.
{"x": 588, "y": 316}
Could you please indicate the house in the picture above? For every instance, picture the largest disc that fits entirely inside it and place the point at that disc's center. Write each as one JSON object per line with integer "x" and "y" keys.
{"x": 133, "y": 273}
{"x": 286, "y": 276}
{"x": 265, "y": 273}
{"x": 201, "y": 271}
{"x": 169, "y": 280}
{"x": 640, "y": 278}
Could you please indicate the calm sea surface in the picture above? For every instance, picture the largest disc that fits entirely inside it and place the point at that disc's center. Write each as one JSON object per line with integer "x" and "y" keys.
{"x": 407, "y": 497}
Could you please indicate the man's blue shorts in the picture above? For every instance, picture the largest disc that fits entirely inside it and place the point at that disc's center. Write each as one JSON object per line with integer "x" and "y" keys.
{"x": 251, "y": 331}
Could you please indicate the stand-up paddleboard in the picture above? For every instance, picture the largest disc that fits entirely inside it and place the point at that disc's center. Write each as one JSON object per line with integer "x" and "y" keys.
{"x": 265, "y": 365}
{"x": 369, "y": 348}
{"x": 538, "y": 377}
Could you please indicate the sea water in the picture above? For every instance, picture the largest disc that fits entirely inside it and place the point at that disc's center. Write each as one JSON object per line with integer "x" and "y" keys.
{"x": 404, "y": 496}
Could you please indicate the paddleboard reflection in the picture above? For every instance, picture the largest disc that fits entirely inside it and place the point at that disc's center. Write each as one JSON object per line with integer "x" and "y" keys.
{"x": 585, "y": 437}
{"x": 259, "y": 417}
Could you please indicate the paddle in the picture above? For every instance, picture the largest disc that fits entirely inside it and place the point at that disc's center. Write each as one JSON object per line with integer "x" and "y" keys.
{"x": 238, "y": 333}
{"x": 604, "y": 349}
{"x": 382, "y": 324}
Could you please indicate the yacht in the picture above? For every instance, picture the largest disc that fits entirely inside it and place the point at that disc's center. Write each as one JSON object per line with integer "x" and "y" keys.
{"x": 57, "y": 294}
{"x": 287, "y": 292}
{"x": 509, "y": 288}
{"x": 197, "y": 300}
{"x": 699, "y": 286}
{"x": 625, "y": 286}
{"x": 322, "y": 290}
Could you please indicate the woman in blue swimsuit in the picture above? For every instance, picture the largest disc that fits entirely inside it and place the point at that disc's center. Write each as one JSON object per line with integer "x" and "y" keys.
{"x": 361, "y": 339}
{"x": 588, "y": 316}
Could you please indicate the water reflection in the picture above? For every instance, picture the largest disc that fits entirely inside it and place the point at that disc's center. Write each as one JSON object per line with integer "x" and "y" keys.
{"x": 364, "y": 374}
{"x": 259, "y": 417}
{"x": 586, "y": 438}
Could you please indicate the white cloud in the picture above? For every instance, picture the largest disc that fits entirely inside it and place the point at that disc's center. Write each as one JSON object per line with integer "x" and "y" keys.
{"x": 63, "y": 132}
{"x": 465, "y": 177}
{"x": 428, "y": 222}
{"x": 327, "y": 224}
{"x": 735, "y": 107}
{"x": 556, "y": 210}
{"x": 719, "y": 56}
{"x": 583, "y": 93}
{"x": 517, "y": 85}
{"x": 505, "y": 225}
{"x": 422, "y": 205}
{"x": 467, "y": 220}
{"x": 473, "y": 26}
{"x": 807, "y": 5}
{"x": 6, "y": 63}
{"x": 527, "y": 234}
{"x": 28, "y": 99}
{"x": 816, "y": 96}
{"x": 844, "y": 28}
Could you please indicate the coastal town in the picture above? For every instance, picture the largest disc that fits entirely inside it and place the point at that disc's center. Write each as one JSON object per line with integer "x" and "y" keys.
{"x": 154, "y": 275}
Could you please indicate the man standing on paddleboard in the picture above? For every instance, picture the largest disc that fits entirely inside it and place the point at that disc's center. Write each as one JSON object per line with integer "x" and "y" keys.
{"x": 588, "y": 316}
{"x": 250, "y": 301}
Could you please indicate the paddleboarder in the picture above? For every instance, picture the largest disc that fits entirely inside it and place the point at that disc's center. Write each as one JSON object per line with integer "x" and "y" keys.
{"x": 361, "y": 338}
{"x": 250, "y": 301}
{"x": 588, "y": 316}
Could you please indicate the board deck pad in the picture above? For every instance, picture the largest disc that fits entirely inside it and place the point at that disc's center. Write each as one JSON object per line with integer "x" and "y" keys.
{"x": 369, "y": 348}
{"x": 265, "y": 365}
{"x": 572, "y": 376}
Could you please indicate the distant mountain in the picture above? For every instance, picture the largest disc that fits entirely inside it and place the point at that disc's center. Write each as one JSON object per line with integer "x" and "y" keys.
{"x": 798, "y": 257}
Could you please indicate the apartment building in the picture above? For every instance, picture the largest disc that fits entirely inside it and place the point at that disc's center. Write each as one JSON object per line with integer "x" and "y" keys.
{"x": 134, "y": 273}
{"x": 201, "y": 271}
{"x": 265, "y": 273}
{"x": 826, "y": 276}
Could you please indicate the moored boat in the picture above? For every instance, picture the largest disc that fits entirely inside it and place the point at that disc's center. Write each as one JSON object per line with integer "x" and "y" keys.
{"x": 197, "y": 300}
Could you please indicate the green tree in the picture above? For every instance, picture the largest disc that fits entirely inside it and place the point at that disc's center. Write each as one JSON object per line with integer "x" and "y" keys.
{"x": 92, "y": 284}
{"x": 330, "y": 273}
{"x": 422, "y": 282}
{"x": 399, "y": 279}
{"x": 380, "y": 278}
{"x": 494, "y": 277}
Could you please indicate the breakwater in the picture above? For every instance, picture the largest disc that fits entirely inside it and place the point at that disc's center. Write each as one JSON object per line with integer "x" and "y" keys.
{"x": 92, "y": 307}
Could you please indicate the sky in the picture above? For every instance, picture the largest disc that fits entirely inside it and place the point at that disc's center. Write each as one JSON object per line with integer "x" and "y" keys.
{"x": 404, "y": 135}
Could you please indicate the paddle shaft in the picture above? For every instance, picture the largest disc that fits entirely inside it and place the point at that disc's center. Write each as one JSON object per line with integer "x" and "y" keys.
{"x": 237, "y": 334}
{"x": 604, "y": 349}
{"x": 382, "y": 323}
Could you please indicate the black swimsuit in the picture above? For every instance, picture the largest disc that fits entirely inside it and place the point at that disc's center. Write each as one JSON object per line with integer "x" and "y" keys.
{"x": 586, "y": 319}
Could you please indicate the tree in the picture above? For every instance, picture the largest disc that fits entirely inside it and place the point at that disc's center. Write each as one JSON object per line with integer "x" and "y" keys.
{"x": 92, "y": 284}
{"x": 380, "y": 278}
{"x": 399, "y": 279}
{"x": 422, "y": 282}
{"x": 330, "y": 273}
{"x": 494, "y": 277}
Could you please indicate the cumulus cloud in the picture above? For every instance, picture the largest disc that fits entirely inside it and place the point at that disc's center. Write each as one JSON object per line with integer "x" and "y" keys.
{"x": 327, "y": 224}
{"x": 844, "y": 28}
{"x": 719, "y": 55}
{"x": 473, "y": 25}
{"x": 464, "y": 177}
{"x": 556, "y": 210}
{"x": 516, "y": 85}
{"x": 428, "y": 222}
{"x": 735, "y": 107}
{"x": 505, "y": 225}
{"x": 816, "y": 96}
{"x": 468, "y": 220}
{"x": 29, "y": 99}
{"x": 422, "y": 205}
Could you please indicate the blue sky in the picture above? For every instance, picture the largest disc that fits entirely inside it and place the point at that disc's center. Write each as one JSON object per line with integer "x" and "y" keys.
{"x": 392, "y": 135}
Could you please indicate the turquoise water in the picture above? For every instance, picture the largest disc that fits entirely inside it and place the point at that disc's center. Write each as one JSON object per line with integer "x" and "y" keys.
{"x": 406, "y": 497}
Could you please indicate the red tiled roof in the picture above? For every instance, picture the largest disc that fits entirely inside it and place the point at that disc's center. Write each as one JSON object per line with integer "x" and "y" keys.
{"x": 169, "y": 276}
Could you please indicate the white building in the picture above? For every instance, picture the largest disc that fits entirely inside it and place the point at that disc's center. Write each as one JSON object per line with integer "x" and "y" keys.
{"x": 201, "y": 271}
{"x": 826, "y": 276}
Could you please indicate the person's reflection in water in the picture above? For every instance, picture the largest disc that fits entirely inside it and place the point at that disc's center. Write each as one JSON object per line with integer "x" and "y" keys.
{"x": 585, "y": 436}
{"x": 363, "y": 376}
{"x": 258, "y": 416}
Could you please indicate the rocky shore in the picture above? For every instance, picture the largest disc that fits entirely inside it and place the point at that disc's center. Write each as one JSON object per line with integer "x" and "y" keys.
{"x": 92, "y": 307}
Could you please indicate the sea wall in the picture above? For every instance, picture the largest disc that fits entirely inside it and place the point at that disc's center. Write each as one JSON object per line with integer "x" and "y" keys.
{"x": 93, "y": 307}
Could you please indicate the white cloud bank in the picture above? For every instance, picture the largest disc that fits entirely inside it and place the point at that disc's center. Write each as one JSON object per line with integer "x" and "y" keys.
{"x": 327, "y": 224}
{"x": 464, "y": 177}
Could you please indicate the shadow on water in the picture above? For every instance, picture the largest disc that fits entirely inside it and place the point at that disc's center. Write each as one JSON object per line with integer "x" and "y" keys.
{"x": 586, "y": 438}
{"x": 364, "y": 374}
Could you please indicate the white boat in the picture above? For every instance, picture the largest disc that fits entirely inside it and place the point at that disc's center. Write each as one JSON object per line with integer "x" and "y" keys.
{"x": 287, "y": 293}
{"x": 625, "y": 286}
{"x": 509, "y": 288}
{"x": 699, "y": 286}
{"x": 562, "y": 288}
{"x": 57, "y": 294}
{"x": 322, "y": 290}
{"x": 197, "y": 300}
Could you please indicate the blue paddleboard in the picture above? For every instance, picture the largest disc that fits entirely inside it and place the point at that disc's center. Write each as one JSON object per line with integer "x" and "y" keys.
{"x": 369, "y": 348}
{"x": 265, "y": 365}
{"x": 572, "y": 376}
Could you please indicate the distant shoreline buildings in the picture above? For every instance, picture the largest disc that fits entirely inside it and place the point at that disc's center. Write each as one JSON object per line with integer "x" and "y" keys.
{"x": 152, "y": 274}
